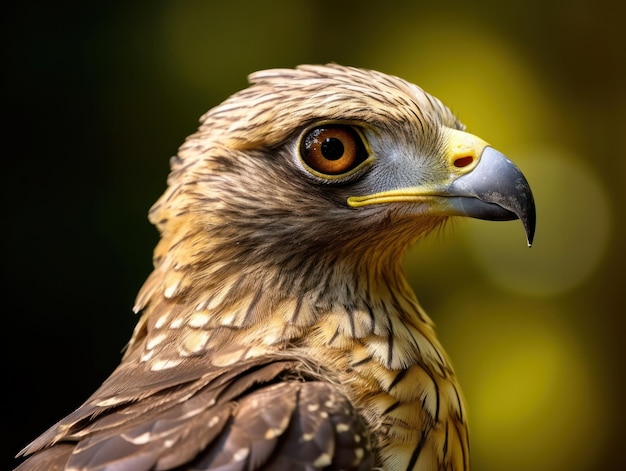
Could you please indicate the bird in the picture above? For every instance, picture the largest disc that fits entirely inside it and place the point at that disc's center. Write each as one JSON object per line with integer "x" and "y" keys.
{"x": 277, "y": 330}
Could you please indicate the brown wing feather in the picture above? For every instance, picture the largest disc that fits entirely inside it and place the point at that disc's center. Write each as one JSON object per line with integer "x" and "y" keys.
{"x": 247, "y": 417}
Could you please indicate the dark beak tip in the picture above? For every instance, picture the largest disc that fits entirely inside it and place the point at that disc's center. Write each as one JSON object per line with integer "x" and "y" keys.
{"x": 529, "y": 222}
{"x": 525, "y": 208}
{"x": 496, "y": 190}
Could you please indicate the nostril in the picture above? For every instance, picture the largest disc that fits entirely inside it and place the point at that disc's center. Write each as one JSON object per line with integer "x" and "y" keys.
{"x": 463, "y": 161}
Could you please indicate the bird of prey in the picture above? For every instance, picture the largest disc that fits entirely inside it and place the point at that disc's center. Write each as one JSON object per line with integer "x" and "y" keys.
{"x": 277, "y": 330}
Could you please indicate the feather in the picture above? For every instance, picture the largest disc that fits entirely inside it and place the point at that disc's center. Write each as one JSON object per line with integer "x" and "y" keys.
{"x": 277, "y": 331}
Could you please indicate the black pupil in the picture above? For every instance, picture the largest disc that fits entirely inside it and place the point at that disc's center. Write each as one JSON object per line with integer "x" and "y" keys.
{"x": 332, "y": 148}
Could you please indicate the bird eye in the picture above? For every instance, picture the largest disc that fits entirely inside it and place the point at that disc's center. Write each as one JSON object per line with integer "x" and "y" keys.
{"x": 332, "y": 149}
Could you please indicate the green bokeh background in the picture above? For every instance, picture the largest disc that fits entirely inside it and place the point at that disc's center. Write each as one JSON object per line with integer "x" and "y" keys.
{"x": 97, "y": 97}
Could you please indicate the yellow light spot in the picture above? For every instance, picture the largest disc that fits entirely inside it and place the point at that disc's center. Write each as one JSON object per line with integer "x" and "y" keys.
{"x": 532, "y": 386}
{"x": 498, "y": 89}
{"x": 573, "y": 227}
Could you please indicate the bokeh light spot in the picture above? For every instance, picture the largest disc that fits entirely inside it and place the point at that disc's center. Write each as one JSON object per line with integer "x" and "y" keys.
{"x": 573, "y": 228}
{"x": 530, "y": 382}
{"x": 486, "y": 81}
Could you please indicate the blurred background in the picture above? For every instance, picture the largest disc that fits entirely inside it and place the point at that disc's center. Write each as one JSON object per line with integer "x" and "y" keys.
{"x": 99, "y": 95}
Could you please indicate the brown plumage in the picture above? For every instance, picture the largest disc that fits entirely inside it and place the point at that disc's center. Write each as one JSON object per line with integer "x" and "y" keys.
{"x": 277, "y": 330}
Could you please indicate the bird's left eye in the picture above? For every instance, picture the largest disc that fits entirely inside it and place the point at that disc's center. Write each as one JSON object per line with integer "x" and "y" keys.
{"x": 332, "y": 149}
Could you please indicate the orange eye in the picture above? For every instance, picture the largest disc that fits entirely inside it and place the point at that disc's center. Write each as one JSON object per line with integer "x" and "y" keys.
{"x": 332, "y": 149}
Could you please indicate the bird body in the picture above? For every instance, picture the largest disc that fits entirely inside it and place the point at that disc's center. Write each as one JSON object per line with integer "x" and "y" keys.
{"x": 277, "y": 330}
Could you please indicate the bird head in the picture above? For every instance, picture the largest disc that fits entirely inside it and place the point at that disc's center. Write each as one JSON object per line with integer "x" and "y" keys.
{"x": 325, "y": 165}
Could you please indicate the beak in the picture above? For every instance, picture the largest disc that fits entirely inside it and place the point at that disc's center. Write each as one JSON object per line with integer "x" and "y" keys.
{"x": 482, "y": 184}
{"x": 495, "y": 190}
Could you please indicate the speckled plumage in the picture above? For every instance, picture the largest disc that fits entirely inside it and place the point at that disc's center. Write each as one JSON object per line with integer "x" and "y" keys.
{"x": 277, "y": 330}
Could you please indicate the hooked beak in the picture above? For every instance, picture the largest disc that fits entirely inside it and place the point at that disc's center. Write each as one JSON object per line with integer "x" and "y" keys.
{"x": 492, "y": 188}
{"x": 496, "y": 190}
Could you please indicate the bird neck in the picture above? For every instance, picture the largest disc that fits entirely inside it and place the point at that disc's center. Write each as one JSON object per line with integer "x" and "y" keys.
{"x": 361, "y": 300}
